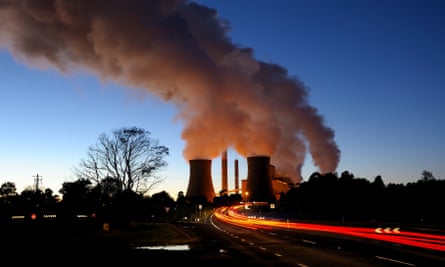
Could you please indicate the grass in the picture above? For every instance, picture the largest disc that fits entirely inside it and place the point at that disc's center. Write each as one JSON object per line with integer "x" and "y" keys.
{"x": 146, "y": 233}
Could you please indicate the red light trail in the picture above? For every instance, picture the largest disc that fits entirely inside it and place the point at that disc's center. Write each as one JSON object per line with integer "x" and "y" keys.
{"x": 234, "y": 216}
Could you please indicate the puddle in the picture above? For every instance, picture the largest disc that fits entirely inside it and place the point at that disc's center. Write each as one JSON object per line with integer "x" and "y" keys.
{"x": 172, "y": 247}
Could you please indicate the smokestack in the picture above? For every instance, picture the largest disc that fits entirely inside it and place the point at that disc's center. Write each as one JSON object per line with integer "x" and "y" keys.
{"x": 236, "y": 177}
{"x": 200, "y": 180}
{"x": 224, "y": 182}
{"x": 259, "y": 183}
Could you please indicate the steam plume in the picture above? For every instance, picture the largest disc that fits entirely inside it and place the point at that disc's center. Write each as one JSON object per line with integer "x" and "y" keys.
{"x": 181, "y": 52}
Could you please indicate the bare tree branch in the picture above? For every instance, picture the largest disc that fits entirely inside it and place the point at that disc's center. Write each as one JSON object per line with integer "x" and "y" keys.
{"x": 129, "y": 155}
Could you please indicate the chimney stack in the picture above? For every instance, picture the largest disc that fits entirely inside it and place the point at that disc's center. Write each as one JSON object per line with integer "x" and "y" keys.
{"x": 236, "y": 177}
{"x": 224, "y": 181}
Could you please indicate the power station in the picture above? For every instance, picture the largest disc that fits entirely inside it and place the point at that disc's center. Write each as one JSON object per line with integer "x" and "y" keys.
{"x": 258, "y": 187}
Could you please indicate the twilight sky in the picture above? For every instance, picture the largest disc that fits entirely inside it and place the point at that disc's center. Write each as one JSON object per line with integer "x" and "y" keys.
{"x": 319, "y": 85}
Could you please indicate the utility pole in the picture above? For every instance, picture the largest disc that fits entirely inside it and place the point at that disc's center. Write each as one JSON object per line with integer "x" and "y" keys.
{"x": 37, "y": 180}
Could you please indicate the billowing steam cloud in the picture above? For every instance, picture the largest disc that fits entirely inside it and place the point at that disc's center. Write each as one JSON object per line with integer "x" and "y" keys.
{"x": 179, "y": 51}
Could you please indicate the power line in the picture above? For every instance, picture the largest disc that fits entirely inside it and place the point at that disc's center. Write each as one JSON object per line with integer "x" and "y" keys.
{"x": 37, "y": 180}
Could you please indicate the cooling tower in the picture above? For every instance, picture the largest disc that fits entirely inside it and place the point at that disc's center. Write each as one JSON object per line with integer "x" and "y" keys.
{"x": 200, "y": 181}
{"x": 259, "y": 183}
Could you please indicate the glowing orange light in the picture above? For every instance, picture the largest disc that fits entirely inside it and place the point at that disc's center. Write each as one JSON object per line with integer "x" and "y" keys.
{"x": 235, "y": 216}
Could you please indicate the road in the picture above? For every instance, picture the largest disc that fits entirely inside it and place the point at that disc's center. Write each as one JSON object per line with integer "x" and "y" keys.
{"x": 271, "y": 246}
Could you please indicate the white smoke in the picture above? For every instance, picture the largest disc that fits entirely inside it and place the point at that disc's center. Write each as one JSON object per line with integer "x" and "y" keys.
{"x": 181, "y": 52}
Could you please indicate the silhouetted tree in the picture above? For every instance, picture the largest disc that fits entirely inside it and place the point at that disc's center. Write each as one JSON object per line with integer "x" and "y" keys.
{"x": 378, "y": 182}
{"x": 427, "y": 176}
{"x": 127, "y": 206}
{"x": 324, "y": 196}
{"x": 128, "y": 155}
{"x": 162, "y": 206}
{"x": 8, "y": 200}
{"x": 109, "y": 186}
{"x": 346, "y": 175}
{"x": 76, "y": 190}
{"x": 180, "y": 198}
{"x": 76, "y": 198}
{"x": 8, "y": 189}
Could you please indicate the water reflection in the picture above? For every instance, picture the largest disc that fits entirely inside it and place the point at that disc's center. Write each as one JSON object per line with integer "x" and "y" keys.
{"x": 169, "y": 247}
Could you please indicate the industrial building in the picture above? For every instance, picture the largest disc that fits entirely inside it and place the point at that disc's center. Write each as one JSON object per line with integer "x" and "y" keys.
{"x": 259, "y": 185}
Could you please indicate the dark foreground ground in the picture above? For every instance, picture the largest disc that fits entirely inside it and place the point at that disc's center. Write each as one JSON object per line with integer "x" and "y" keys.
{"x": 140, "y": 244}
{"x": 83, "y": 244}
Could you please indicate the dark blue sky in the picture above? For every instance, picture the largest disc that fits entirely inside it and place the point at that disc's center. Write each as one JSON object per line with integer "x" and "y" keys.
{"x": 375, "y": 69}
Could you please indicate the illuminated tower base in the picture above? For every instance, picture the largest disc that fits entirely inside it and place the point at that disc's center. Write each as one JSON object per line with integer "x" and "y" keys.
{"x": 259, "y": 183}
{"x": 200, "y": 181}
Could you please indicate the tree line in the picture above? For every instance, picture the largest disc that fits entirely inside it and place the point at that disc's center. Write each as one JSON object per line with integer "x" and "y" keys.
{"x": 346, "y": 198}
{"x": 321, "y": 197}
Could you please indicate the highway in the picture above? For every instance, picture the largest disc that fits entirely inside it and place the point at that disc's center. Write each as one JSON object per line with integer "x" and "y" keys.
{"x": 269, "y": 245}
